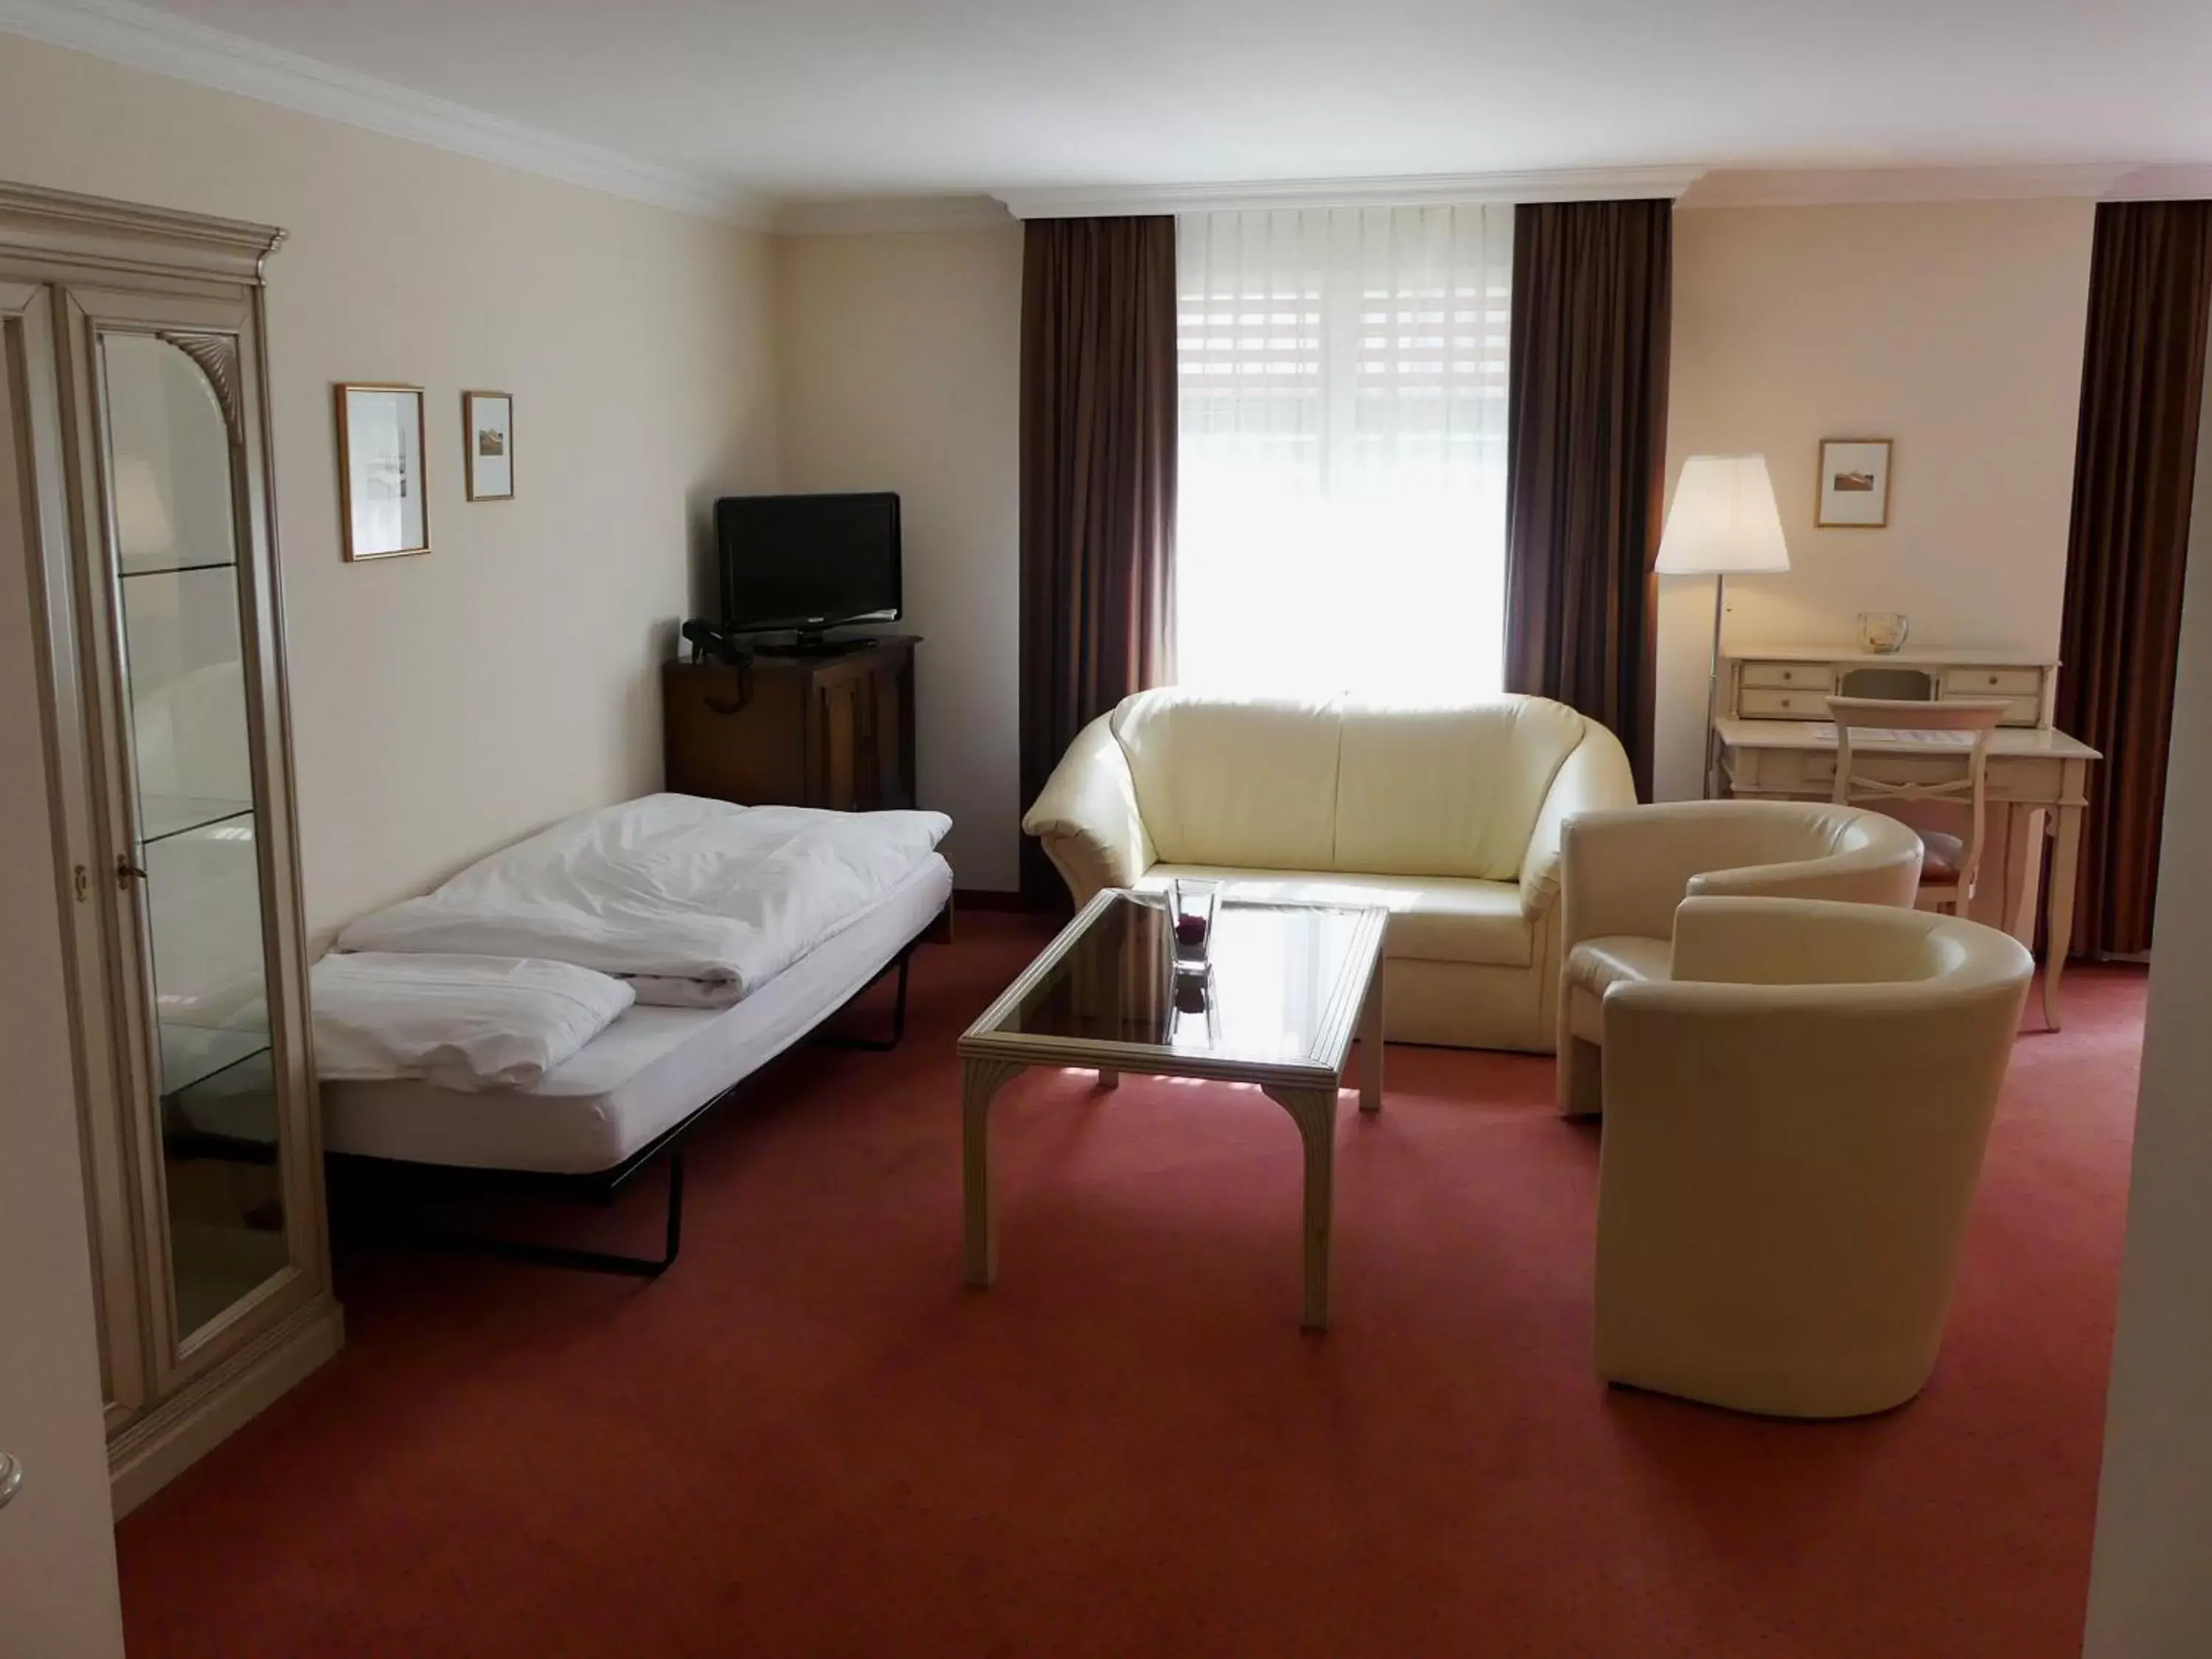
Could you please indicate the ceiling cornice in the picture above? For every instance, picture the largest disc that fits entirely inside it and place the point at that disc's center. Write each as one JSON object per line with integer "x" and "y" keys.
{"x": 1563, "y": 184}
{"x": 2163, "y": 184}
{"x": 879, "y": 215}
{"x": 1734, "y": 187}
{"x": 143, "y": 38}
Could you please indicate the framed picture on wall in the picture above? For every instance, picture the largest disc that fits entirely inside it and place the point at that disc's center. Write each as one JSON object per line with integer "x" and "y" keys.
{"x": 1854, "y": 483}
{"x": 384, "y": 502}
{"x": 487, "y": 425}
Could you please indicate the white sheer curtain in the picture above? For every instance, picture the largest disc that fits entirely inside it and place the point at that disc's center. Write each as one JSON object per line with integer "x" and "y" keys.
{"x": 1340, "y": 522}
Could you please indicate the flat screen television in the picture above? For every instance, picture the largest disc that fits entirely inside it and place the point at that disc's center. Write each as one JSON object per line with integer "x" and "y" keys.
{"x": 808, "y": 562}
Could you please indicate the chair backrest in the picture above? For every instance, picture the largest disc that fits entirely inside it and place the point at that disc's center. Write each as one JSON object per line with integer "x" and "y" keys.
{"x": 1899, "y": 684}
{"x": 1859, "y": 720}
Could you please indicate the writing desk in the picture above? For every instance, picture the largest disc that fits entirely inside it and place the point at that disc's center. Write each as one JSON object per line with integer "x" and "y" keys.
{"x": 2037, "y": 783}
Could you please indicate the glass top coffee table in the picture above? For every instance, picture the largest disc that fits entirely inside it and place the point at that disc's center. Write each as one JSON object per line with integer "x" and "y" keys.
{"x": 1285, "y": 988}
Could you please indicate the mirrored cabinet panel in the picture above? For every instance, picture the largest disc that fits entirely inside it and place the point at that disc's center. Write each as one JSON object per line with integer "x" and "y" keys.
{"x": 171, "y": 467}
{"x": 136, "y": 358}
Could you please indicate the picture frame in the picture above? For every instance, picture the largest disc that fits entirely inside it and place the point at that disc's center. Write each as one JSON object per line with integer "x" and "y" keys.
{"x": 384, "y": 483}
{"x": 1853, "y": 483}
{"x": 488, "y": 445}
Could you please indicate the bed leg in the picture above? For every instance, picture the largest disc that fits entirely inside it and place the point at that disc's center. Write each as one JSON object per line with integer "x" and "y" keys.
{"x": 675, "y": 1213}
{"x": 879, "y": 1045}
{"x": 561, "y": 1255}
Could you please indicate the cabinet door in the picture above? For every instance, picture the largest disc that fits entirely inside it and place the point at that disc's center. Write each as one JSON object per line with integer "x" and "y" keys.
{"x": 893, "y": 787}
{"x": 179, "y": 631}
{"x": 31, "y": 441}
{"x": 837, "y": 769}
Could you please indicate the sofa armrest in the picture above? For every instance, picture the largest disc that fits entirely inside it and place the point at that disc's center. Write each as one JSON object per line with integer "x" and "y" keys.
{"x": 1595, "y": 775}
{"x": 1087, "y": 816}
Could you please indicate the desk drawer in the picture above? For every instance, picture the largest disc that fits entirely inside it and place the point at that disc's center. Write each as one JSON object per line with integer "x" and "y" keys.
{"x": 1757, "y": 704}
{"x": 1992, "y": 682}
{"x": 1801, "y": 676}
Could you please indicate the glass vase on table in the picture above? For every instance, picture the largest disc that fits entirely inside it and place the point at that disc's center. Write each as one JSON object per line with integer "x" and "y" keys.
{"x": 1192, "y": 903}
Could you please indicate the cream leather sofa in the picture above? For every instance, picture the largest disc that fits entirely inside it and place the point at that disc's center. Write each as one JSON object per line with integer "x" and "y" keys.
{"x": 1622, "y": 874}
{"x": 1795, "y": 1125}
{"x": 1451, "y": 816}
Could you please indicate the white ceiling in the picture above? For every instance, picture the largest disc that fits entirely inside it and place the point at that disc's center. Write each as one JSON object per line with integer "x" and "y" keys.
{"x": 805, "y": 98}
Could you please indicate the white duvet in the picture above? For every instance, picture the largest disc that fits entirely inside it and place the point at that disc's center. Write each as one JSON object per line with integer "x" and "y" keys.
{"x": 696, "y": 902}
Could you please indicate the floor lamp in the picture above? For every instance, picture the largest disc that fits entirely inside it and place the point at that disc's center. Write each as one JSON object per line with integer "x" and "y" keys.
{"x": 1723, "y": 523}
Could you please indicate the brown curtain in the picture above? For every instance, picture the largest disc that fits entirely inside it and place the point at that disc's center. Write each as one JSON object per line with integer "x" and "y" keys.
{"x": 2135, "y": 464}
{"x": 1098, "y": 484}
{"x": 1586, "y": 458}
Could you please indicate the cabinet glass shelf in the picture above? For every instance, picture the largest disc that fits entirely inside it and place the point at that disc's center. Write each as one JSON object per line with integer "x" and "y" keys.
{"x": 161, "y": 816}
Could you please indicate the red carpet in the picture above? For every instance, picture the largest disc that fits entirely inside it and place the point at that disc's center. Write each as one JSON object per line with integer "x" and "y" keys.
{"x": 808, "y": 1439}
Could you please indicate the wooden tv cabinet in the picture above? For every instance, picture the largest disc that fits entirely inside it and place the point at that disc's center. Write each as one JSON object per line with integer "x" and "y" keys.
{"x": 794, "y": 731}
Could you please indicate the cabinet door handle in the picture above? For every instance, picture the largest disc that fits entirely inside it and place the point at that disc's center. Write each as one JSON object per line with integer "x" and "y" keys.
{"x": 11, "y": 1478}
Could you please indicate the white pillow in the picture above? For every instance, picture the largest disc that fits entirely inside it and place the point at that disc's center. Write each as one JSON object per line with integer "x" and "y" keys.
{"x": 466, "y": 1022}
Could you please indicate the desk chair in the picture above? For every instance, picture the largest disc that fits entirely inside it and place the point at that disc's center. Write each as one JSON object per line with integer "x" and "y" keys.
{"x": 1949, "y": 865}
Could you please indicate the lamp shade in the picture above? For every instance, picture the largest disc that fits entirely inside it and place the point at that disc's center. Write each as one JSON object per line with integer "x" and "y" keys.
{"x": 1724, "y": 520}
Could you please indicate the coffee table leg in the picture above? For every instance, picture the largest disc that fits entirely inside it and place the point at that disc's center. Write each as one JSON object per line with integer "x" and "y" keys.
{"x": 1370, "y": 1046}
{"x": 1314, "y": 1110}
{"x": 980, "y": 1084}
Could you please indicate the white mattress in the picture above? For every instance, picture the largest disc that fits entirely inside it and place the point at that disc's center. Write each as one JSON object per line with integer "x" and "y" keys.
{"x": 646, "y": 1072}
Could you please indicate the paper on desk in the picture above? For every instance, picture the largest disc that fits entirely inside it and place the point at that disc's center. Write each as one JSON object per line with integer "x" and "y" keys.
{"x": 1825, "y": 731}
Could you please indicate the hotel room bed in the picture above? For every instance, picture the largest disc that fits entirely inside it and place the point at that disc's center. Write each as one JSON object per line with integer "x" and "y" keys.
{"x": 623, "y": 1101}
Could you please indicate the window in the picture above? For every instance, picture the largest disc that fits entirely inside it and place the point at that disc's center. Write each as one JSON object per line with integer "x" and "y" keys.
{"x": 1341, "y": 501}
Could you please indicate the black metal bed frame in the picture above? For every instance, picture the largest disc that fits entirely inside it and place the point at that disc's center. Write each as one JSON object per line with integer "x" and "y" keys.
{"x": 602, "y": 1188}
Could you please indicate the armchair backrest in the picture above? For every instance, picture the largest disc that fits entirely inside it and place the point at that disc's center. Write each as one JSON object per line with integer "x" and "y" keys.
{"x": 1626, "y": 870}
{"x": 1344, "y": 786}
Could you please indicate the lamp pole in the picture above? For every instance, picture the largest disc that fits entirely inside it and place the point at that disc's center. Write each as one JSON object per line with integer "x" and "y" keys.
{"x": 1713, "y": 687}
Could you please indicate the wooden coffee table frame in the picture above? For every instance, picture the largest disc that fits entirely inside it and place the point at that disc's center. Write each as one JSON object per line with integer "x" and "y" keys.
{"x": 1307, "y": 1090}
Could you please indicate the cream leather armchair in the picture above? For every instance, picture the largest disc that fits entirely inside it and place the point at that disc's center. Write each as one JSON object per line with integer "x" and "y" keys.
{"x": 1622, "y": 874}
{"x": 1451, "y": 817}
{"x": 1794, "y": 1127}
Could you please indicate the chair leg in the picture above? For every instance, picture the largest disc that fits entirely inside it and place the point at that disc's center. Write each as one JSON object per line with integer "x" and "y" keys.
{"x": 1581, "y": 1078}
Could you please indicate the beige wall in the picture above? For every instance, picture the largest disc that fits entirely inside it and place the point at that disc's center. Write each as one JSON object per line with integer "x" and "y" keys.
{"x": 446, "y": 704}
{"x": 2150, "y": 1592}
{"x": 899, "y": 360}
{"x": 1954, "y": 328}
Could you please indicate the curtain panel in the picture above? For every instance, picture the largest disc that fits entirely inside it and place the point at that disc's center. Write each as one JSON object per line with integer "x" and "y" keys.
{"x": 2135, "y": 462}
{"x": 1342, "y": 492}
{"x": 1586, "y": 456}
{"x": 1097, "y": 484}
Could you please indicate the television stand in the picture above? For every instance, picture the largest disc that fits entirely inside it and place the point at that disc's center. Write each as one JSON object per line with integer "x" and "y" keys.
{"x": 818, "y": 646}
{"x": 832, "y": 731}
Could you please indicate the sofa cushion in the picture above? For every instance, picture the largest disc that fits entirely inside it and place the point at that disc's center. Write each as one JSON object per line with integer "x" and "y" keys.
{"x": 1436, "y": 920}
{"x": 1447, "y": 792}
{"x": 1247, "y": 783}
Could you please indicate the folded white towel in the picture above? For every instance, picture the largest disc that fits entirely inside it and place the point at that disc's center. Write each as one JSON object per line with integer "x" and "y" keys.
{"x": 463, "y": 1022}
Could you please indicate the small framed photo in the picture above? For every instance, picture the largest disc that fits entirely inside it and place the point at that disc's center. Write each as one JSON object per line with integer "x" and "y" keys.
{"x": 488, "y": 424}
{"x": 1854, "y": 483}
{"x": 383, "y": 488}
